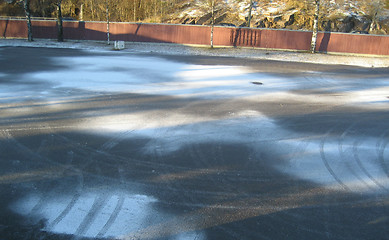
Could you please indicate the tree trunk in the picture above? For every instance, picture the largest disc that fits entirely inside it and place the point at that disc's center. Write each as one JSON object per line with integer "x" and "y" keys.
{"x": 373, "y": 23}
{"x": 160, "y": 1}
{"x": 134, "y": 10}
{"x": 212, "y": 20}
{"x": 59, "y": 21}
{"x": 108, "y": 40}
{"x": 315, "y": 26}
{"x": 92, "y": 10}
{"x": 249, "y": 16}
{"x": 81, "y": 12}
{"x": 26, "y": 5}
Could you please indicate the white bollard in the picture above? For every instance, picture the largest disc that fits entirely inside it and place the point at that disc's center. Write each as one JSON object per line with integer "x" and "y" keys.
{"x": 119, "y": 45}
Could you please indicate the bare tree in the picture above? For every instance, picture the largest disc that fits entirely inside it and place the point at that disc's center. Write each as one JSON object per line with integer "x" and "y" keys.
{"x": 27, "y": 11}
{"x": 315, "y": 26}
{"x": 210, "y": 7}
{"x": 212, "y": 3}
{"x": 374, "y": 10}
{"x": 107, "y": 12}
{"x": 249, "y": 16}
{"x": 81, "y": 17}
{"x": 59, "y": 20}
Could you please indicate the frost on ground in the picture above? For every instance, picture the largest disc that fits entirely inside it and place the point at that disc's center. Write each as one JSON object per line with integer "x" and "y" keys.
{"x": 135, "y": 210}
{"x": 175, "y": 129}
{"x": 177, "y": 49}
{"x": 198, "y": 104}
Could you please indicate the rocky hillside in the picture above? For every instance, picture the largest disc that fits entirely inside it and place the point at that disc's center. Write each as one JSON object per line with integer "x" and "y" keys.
{"x": 360, "y": 16}
{"x": 336, "y": 15}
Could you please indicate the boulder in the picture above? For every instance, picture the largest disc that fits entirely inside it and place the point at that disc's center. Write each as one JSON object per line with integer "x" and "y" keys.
{"x": 347, "y": 24}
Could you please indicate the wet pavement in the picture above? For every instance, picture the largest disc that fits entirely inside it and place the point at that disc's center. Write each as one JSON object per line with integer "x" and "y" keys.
{"x": 115, "y": 145}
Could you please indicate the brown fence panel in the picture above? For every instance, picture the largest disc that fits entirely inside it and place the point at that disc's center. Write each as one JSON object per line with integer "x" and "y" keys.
{"x": 184, "y": 34}
{"x": 85, "y": 30}
{"x": 353, "y": 43}
{"x": 160, "y": 33}
{"x": 286, "y": 39}
{"x": 13, "y": 28}
{"x": 262, "y": 38}
{"x": 237, "y": 37}
{"x": 123, "y": 32}
{"x": 244, "y": 37}
{"x": 95, "y": 31}
{"x": 44, "y": 29}
{"x": 74, "y": 30}
{"x": 222, "y": 36}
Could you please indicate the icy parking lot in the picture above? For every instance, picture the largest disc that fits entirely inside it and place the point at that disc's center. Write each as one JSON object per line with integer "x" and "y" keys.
{"x": 101, "y": 145}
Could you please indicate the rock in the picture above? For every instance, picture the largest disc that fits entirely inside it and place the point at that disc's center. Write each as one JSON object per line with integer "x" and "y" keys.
{"x": 220, "y": 19}
{"x": 203, "y": 19}
{"x": 361, "y": 25}
{"x": 288, "y": 20}
{"x": 346, "y": 25}
{"x": 276, "y": 22}
{"x": 226, "y": 24}
{"x": 187, "y": 20}
{"x": 328, "y": 26}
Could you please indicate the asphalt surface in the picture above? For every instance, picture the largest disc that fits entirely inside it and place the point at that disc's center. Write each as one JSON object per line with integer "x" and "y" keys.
{"x": 182, "y": 150}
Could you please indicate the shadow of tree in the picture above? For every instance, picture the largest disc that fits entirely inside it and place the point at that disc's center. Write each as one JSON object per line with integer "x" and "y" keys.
{"x": 216, "y": 187}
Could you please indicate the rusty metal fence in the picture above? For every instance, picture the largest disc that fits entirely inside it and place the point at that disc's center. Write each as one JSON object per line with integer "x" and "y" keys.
{"x": 200, "y": 35}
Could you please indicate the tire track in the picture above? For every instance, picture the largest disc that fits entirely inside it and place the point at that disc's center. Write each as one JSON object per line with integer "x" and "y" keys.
{"x": 327, "y": 165}
{"x": 113, "y": 142}
{"x": 115, "y": 159}
{"x": 33, "y": 156}
{"x": 170, "y": 185}
{"x": 197, "y": 155}
{"x": 71, "y": 204}
{"x": 344, "y": 157}
{"x": 24, "y": 150}
{"x": 236, "y": 233}
{"x": 100, "y": 201}
{"x": 381, "y": 146}
{"x": 284, "y": 221}
{"x": 214, "y": 160}
{"x": 113, "y": 217}
{"x": 132, "y": 163}
{"x": 97, "y": 206}
{"x": 65, "y": 212}
{"x": 381, "y": 140}
{"x": 116, "y": 211}
{"x": 40, "y": 205}
{"x": 42, "y": 146}
{"x": 46, "y": 197}
{"x": 381, "y": 157}
{"x": 364, "y": 170}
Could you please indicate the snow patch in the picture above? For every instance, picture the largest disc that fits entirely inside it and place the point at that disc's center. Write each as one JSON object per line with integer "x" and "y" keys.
{"x": 345, "y": 164}
{"x": 154, "y": 76}
{"x": 151, "y": 75}
{"x": 90, "y": 214}
{"x": 191, "y": 13}
{"x": 336, "y": 165}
